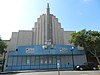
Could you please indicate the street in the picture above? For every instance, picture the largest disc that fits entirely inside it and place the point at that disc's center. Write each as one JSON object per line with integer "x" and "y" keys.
{"x": 61, "y": 73}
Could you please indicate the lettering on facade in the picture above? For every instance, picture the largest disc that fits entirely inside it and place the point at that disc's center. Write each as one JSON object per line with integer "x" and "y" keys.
{"x": 63, "y": 49}
{"x": 29, "y": 50}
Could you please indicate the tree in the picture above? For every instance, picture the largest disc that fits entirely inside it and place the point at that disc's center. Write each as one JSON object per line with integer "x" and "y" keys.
{"x": 89, "y": 40}
{"x": 3, "y": 46}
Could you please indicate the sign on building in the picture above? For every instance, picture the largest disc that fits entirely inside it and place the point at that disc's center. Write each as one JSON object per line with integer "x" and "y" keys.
{"x": 29, "y": 50}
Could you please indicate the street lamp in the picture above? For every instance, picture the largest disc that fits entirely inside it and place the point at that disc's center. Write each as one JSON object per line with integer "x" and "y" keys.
{"x": 72, "y": 56}
{"x": 58, "y": 66}
{"x": 3, "y": 60}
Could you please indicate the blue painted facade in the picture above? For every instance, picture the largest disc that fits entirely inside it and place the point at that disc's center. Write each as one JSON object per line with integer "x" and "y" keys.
{"x": 35, "y": 57}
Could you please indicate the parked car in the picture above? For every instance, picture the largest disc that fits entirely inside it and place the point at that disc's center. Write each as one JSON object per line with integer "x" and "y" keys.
{"x": 87, "y": 66}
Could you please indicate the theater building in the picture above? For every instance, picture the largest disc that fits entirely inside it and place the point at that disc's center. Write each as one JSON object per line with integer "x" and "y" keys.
{"x": 43, "y": 47}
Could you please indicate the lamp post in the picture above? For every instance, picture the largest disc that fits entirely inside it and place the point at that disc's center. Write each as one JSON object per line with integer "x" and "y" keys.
{"x": 3, "y": 60}
{"x": 72, "y": 56}
{"x": 58, "y": 66}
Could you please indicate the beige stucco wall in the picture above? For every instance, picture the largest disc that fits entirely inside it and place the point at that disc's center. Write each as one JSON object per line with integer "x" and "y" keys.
{"x": 67, "y": 36}
{"x": 21, "y": 38}
{"x": 13, "y": 41}
{"x": 24, "y": 38}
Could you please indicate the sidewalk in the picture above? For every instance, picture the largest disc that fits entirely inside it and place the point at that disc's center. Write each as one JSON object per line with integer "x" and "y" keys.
{"x": 22, "y": 71}
{"x": 25, "y": 71}
{"x": 8, "y": 72}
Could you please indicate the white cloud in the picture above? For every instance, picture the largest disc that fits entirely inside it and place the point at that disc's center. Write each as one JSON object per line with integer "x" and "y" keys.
{"x": 17, "y": 15}
{"x": 9, "y": 17}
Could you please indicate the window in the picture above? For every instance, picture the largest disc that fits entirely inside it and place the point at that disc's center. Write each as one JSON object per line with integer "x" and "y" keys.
{"x": 63, "y": 60}
{"x": 14, "y": 61}
{"x": 45, "y": 59}
{"x": 50, "y": 60}
{"x": 54, "y": 59}
{"x": 37, "y": 60}
{"x": 41, "y": 59}
{"x": 19, "y": 60}
{"x": 24, "y": 60}
{"x": 28, "y": 60}
{"x": 32, "y": 60}
{"x": 9, "y": 61}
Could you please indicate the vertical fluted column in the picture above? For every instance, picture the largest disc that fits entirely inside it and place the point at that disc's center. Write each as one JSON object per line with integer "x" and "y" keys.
{"x": 53, "y": 30}
{"x": 49, "y": 25}
{"x": 39, "y": 30}
{"x": 62, "y": 36}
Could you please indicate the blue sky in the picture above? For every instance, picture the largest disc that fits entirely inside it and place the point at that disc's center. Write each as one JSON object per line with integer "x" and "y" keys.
{"x": 74, "y": 15}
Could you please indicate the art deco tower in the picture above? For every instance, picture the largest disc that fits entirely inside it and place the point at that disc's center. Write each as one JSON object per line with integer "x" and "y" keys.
{"x": 49, "y": 25}
{"x": 47, "y": 28}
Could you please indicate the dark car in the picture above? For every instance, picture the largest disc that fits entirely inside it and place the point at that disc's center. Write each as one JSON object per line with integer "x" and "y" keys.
{"x": 87, "y": 66}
